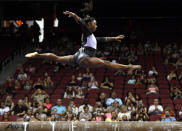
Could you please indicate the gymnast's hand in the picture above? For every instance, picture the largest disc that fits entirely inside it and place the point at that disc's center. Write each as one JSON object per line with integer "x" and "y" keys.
{"x": 119, "y": 38}
{"x": 31, "y": 55}
{"x": 70, "y": 14}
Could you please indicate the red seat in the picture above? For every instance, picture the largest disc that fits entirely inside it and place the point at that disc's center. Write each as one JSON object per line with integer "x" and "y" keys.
{"x": 95, "y": 95}
{"x": 166, "y": 101}
{"x": 55, "y": 96}
{"x": 178, "y": 106}
{"x": 153, "y": 96}
{"x": 178, "y": 101}
{"x": 13, "y": 118}
{"x": 92, "y": 101}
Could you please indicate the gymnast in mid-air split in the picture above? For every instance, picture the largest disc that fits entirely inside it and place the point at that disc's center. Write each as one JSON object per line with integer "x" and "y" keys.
{"x": 85, "y": 56}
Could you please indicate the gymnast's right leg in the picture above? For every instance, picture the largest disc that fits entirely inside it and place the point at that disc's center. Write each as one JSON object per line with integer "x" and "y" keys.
{"x": 50, "y": 56}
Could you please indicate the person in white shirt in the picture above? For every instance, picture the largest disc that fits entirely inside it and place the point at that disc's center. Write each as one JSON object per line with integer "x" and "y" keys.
{"x": 81, "y": 108}
{"x": 153, "y": 72}
{"x": 155, "y": 109}
{"x": 93, "y": 84}
{"x": 3, "y": 108}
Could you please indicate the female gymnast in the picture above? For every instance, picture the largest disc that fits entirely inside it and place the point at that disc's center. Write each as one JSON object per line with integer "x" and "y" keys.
{"x": 85, "y": 57}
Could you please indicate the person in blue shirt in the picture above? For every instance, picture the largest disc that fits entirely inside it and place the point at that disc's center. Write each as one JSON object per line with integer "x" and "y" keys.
{"x": 113, "y": 98}
{"x": 167, "y": 117}
{"x": 61, "y": 110}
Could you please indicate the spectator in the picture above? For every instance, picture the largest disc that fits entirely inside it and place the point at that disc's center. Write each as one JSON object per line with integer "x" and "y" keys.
{"x": 124, "y": 112}
{"x": 106, "y": 84}
{"x": 20, "y": 109}
{"x": 171, "y": 76}
{"x": 98, "y": 106}
{"x": 34, "y": 107}
{"x": 72, "y": 108}
{"x": 167, "y": 117}
{"x": 27, "y": 102}
{"x": 60, "y": 109}
{"x": 73, "y": 81}
{"x": 130, "y": 106}
{"x": 175, "y": 93}
{"x": 178, "y": 63}
{"x": 153, "y": 72}
{"x": 3, "y": 108}
{"x": 5, "y": 117}
{"x": 69, "y": 93}
{"x": 70, "y": 116}
{"x": 17, "y": 85}
{"x": 79, "y": 78}
{"x": 86, "y": 115}
{"x": 130, "y": 96}
{"x": 93, "y": 84}
{"x": 180, "y": 114}
{"x": 171, "y": 112}
{"x": 113, "y": 117}
{"x": 47, "y": 104}
{"x": 132, "y": 80}
{"x": 155, "y": 109}
{"x": 141, "y": 113}
{"x": 28, "y": 115}
{"x": 28, "y": 84}
{"x": 48, "y": 83}
{"x": 39, "y": 96}
{"x": 137, "y": 98}
{"x": 9, "y": 102}
{"x": 79, "y": 93}
{"x": 152, "y": 89}
{"x": 80, "y": 109}
{"x": 42, "y": 114}
{"x": 102, "y": 99}
{"x": 22, "y": 75}
{"x": 113, "y": 98}
{"x": 99, "y": 116}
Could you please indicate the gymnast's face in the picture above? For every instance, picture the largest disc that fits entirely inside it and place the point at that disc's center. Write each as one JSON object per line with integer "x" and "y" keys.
{"x": 92, "y": 25}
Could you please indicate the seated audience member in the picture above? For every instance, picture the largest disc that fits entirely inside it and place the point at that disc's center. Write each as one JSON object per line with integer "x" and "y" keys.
{"x": 130, "y": 106}
{"x": 79, "y": 93}
{"x": 48, "y": 83}
{"x": 93, "y": 84}
{"x": 175, "y": 93}
{"x": 20, "y": 109}
{"x": 180, "y": 114}
{"x": 79, "y": 77}
{"x": 130, "y": 97}
{"x": 152, "y": 89}
{"x": 153, "y": 72}
{"x": 114, "y": 106}
{"x": 168, "y": 108}
{"x": 28, "y": 115}
{"x": 155, "y": 109}
{"x": 113, "y": 98}
{"x": 72, "y": 108}
{"x": 5, "y": 117}
{"x": 22, "y": 75}
{"x": 73, "y": 81}
{"x": 98, "y": 106}
{"x": 113, "y": 117}
{"x": 80, "y": 109}
{"x": 99, "y": 116}
{"x": 34, "y": 107}
{"x": 59, "y": 109}
{"x": 106, "y": 84}
{"x": 86, "y": 115}
{"x": 132, "y": 81}
{"x": 137, "y": 98}
{"x": 28, "y": 84}
{"x": 47, "y": 104}
{"x": 17, "y": 85}
{"x": 39, "y": 96}
{"x": 141, "y": 112}
{"x": 42, "y": 114}
{"x": 171, "y": 76}
{"x": 178, "y": 63}
{"x": 69, "y": 93}
{"x": 3, "y": 108}
{"x": 102, "y": 99}
{"x": 167, "y": 117}
{"x": 124, "y": 112}
{"x": 27, "y": 102}
{"x": 9, "y": 102}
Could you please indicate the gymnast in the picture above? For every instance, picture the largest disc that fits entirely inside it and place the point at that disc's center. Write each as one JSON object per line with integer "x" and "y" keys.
{"x": 85, "y": 56}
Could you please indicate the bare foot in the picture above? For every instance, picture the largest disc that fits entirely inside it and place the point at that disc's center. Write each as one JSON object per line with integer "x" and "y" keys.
{"x": 136, "y": 67}
{"x": 31, "y": 55}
